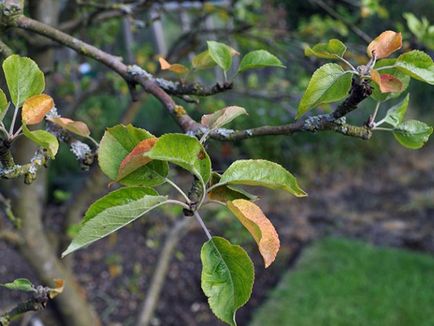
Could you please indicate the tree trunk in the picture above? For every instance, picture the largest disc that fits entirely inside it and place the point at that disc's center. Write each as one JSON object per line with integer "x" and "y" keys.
{"x": 28, "y": 204}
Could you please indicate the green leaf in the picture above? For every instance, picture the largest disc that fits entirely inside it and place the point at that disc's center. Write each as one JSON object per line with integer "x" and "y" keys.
{"x": 405, "y": 79}
{"x": 395, "y": 115}
{"x": 412, "y": 134}
{"x": 44, "y": 139}
{"x": 259, "y": 59}
{"x": 261, "y": 173}
{"x": 330, "y": 50}
{"x": 418, "y": 65}
{"x": 227, "y": 277}
{"x": 23, "y": 77}
{"x": 116, "y": 144}
{"x": 185, "y": 151}
{"x": 222, "y": 117}
{"x": 3, "y": 105}
{"x": 112, "y": 212}
{"x": 203, "y": 61}
{"x": 20, "y": 284}
{"x": 227, "y": 193}
{"x": 221, "y": 54}
{"x": 329, "y": 83}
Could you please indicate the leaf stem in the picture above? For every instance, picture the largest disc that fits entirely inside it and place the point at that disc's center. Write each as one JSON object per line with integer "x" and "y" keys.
{"x": 214, "y": 186}
{"x": 93, "y": 141}
{"x": 176, "y": 202}
{"x": 204, "y": 136}
{"x": 202, "y": 224}
{"x": 11, "y": 128}
{"x": 3, "y": 129}
{"x": 347, "y": 63}
{"x": 174, "y": 185}
{"x": 377, "y": 107}
{"x": 386, "y": 67}
{"x": 383, "y": 129}
{"x": 204, "y": 192}
{"x": 17, "y": 133}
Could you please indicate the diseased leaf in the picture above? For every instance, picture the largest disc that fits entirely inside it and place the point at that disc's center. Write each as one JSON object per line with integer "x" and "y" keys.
{"x": 412, "y": 134}
{"x": 185, "y": 151}
{"x": 176, "y": 67}
{"x": 203, "y": 61}
{"x": 387, "y": 83}
{"x": 385, "y": 44}
{"x": 76, "y": 127}
{"x": 259, "y": 59}
{"x": 226, "y": 192}
{"x": 261, "y": 173}
{"x": 3, "y": 105}
{"x": 20, "y": 284}
{"x": 418, "y": 65}
{"x": 405, "y": 80}
{"x": 44, "y": 139}
{"x": 23, "y": 77}
{"x": 116, "y": 144}
{"x": 227, "y": 277}
{"x": 329, "y": 83}
{"x": 395, "y": 115}
{"x": 135, "y": 159}
{"x": 222, "y": 117}
{"x": 221, "y": 54}
{"x": 112, "y": 212}
{"x": 35, "y": 108}
{"x": 330, "y": 50}
{"x": 58, "y": 288}
{"x": 259, "y": 226}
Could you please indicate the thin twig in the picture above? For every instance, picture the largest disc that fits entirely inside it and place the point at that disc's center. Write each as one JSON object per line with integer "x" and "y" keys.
{"x": 202, "y": 224}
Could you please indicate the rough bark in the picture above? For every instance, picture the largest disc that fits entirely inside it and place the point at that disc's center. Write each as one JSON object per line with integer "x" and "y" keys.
{"x": 28, "y": 205}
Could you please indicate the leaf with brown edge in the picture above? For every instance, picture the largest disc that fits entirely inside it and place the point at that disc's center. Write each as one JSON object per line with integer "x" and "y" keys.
{"x": 385, "y": 44}
{"x": 76, "y": 127}
{"x": 222, "y": 117}
{"x": 176, "y": 67}
{"x": 136, "y": 159}
{"x": 58, "y": 288}
{"x": 35, "y": 108}
{"x": 387, "y": 83}
{"x": 259, "y": 226}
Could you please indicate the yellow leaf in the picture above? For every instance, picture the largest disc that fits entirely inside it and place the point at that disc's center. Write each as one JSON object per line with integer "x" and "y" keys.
{"x": 387, "y": 83}
{"x": 76, "y": 127}
{"x": 165, "y": 65}
{"x": 58, "y": 288}
{"x": 385, "y": 44}
{"x": 259, "y": 226}
{"x": 35, "y": 108}
{"x": 176, "y": 67}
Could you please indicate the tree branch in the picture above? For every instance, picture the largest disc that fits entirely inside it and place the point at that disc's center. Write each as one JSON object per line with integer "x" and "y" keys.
{"x": 312, "y": 124}
{"x": 5, "y": 50}
{"x": 161, "y": 89}
{"x": 131, "y": 74}
{"x": 39, "y": 301}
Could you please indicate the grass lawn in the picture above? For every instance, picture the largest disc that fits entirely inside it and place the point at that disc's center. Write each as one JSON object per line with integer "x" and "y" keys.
{"x": 341, "y": 282}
